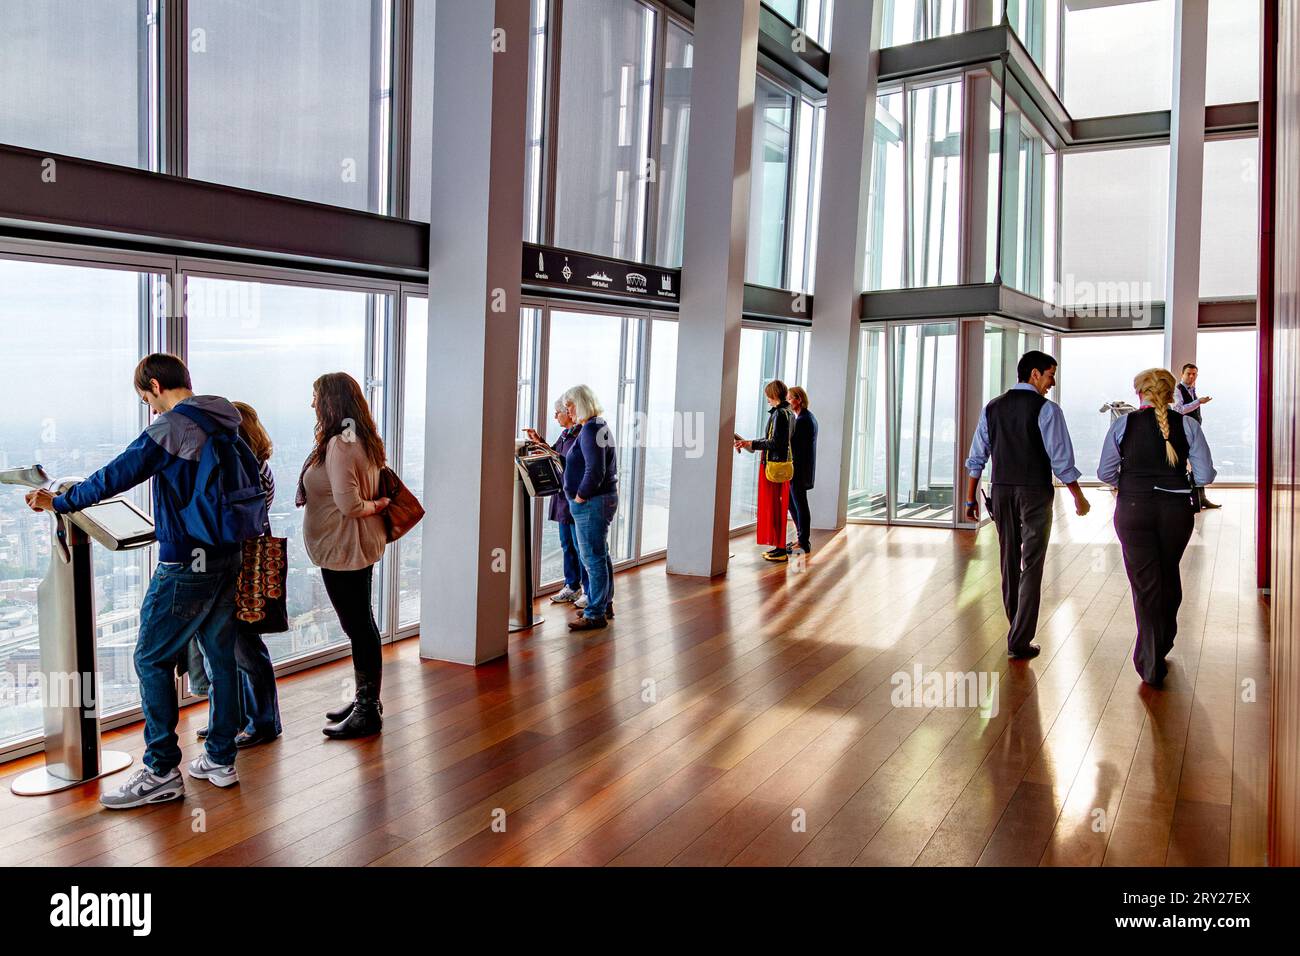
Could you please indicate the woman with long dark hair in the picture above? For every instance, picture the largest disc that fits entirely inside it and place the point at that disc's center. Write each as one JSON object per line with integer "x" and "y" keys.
{"x": 1147, "y": 455}
{"x": 343, "y": 530}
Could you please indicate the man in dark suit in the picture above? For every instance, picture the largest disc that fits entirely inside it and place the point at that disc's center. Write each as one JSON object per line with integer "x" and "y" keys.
{"x": 804, "y": 445}
{"x": 1189, "y": 404}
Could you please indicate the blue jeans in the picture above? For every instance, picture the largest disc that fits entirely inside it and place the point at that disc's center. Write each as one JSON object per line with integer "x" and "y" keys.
{"x": 591, "y": 519}
{"x": 259, "y": 704}
{"x": 575, "y": 573}
{"x": 182, "y": 604}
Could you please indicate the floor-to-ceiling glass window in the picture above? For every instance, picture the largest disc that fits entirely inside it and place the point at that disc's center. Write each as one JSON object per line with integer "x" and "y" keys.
{"x": 1036, "y": 24}
{"x": 1028, "y": 168}
{"x": 266, "y": 343}
{"x": 887, "y": 200}
{"x": 629, "y": 359}
{"x": 1096, "y": 370}
{"x": 1232, "y": 52}
{"x": 758, "y": 366}
{"x": 1230, "y": 219}
{"x": 813, "y": 16}
{"x": 1114, "y": 216}
{"x": 415, "y": 395}
{"x": 73, "y": 336}
{"x": 1227, "y": 363}
{"x": 769, "y": 193}
{"x": 806, "y": 179}
{"x": 867, "y": 473}
{"x": 420, "y": 173}
{"x": 589, "y": 348}
{"x": 1118, "y": 57}
{"x": 292, "y": 98}
{"x": 75, "y": 78}
{"x": 906, "y": 21}
{"x": 935, "y": 170}
{"x": 789, "y": 9}
{"x": 765, "y": 354}
{"x": 679, "y": 60}
{"x": 904, "y": 454}
{"x": 661, "y": 432}
{"x": 924, "y": 419}
{"x": 603, "y": 128}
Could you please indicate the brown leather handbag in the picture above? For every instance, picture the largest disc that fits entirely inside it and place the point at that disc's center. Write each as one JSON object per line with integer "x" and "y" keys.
{"x": 404, "y": 510}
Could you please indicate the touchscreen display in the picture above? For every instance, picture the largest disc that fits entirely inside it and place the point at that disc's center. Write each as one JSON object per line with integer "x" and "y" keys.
{"x": 119, "y": 519}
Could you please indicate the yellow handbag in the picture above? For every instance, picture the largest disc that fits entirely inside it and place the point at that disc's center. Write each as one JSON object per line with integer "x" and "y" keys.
{"x": 779, "y": 472}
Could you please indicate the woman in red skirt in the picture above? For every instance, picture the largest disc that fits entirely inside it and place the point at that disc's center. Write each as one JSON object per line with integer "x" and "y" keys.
{"x": 776, "y": 468}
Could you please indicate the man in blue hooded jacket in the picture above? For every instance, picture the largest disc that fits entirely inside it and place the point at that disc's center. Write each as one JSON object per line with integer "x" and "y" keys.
{"x": 192, "y": 593}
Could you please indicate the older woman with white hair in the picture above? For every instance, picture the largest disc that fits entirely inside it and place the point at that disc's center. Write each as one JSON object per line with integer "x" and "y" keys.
{"x": 575, "y": 575}
{"x": 591, "y": 487}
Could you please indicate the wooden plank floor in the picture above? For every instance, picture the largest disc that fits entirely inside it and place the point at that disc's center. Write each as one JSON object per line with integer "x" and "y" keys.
{"x": 748, "y": 721}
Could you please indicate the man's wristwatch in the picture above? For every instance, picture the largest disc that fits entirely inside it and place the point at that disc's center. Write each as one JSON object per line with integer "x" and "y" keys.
{"x": 970, "y": 504}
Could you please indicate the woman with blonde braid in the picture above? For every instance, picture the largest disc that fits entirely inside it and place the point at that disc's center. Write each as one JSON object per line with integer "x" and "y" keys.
{"x": 1147, "y": 455}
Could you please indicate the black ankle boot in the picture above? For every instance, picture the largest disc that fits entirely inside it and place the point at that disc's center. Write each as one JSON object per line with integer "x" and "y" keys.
{"x": 340, "y": 713}
{"x": 364, "y": 718}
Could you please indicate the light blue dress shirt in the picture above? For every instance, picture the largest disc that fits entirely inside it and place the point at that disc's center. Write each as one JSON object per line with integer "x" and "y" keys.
{"x": 1183, "y": 409}
{"x": 1056, "y": 439}
{"x": 1198, "y": 452}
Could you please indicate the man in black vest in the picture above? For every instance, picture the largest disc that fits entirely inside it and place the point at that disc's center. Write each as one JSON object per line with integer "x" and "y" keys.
{"x": 1026, "y": 437}
{"x": 1189, "y": 404}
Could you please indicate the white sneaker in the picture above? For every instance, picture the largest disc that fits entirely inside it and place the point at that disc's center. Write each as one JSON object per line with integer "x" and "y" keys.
{"x": 581, "y": 602}
{"x": 144, "y": 787}
{"x": 202, "y": 768}
{"x": 567, "y": 595}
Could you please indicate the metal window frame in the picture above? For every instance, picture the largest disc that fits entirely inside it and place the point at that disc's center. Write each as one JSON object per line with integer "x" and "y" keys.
{"x": 149, "y": 329}
{"x": 796, "y": 99}
{"x": 888, "y": 331}
{"x": 156, "y": 329}
{"x": 402, "y": 79}
{"x": 636, "y": 340}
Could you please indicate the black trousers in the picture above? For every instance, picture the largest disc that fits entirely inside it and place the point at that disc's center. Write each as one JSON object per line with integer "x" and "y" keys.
{"x": 349, "y": 592}
{"x": 1023, "y": 517}
{"x": 1153, "y": 532}
{"x": 800, "y": 514}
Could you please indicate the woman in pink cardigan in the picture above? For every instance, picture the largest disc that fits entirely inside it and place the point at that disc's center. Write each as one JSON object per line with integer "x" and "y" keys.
{"x": 343, "y": 530}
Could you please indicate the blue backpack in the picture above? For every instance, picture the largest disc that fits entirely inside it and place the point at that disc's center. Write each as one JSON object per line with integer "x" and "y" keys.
{"x": 228, "y": 506}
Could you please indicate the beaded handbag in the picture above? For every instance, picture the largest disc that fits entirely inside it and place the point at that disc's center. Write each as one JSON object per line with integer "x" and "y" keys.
{"x": 260, "y": 604}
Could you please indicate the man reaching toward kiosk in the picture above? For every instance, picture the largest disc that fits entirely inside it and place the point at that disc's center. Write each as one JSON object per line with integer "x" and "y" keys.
{"x": 202, "y": 510}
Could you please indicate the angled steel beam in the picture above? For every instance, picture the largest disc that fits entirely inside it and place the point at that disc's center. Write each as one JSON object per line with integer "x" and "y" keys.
{"x": 806, "y": 69}
{"x": 63, "y": 197}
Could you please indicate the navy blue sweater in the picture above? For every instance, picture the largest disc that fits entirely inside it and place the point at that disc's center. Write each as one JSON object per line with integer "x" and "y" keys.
{"x": 559, "y": 506}
{"x": 591, "y": 465}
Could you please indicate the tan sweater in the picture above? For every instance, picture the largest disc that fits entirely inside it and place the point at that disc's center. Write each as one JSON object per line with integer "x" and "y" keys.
{"x": 340, "y": 528}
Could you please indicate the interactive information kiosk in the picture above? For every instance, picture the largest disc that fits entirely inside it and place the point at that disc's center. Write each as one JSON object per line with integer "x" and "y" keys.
{"x": 65, "y": 602}
{"x": 535, "y": 476}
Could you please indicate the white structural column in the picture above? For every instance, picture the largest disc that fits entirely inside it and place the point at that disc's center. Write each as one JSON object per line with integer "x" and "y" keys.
{"x": 1186, "y": 172}
{"x": 713, "y": 283}
{"x": 475, "y": 245}
{"x": 841, "y": 251}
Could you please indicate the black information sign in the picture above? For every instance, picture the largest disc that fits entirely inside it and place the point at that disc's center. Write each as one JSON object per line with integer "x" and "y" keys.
{"x": 583, "y": 273}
